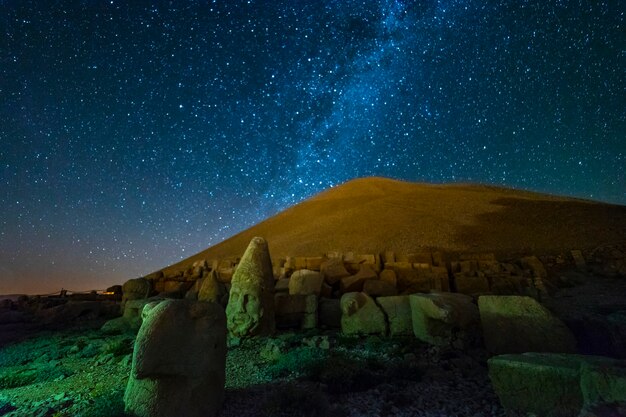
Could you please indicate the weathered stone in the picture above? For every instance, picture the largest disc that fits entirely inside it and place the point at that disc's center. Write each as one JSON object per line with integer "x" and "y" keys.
{"x": 309, "y": 321}
{"x": 210, "y": 290}
{"x": 533, "y": 264}
{"x": 516, "y": 324}
{"x": 355, "y": 282}
{"x": 378, "y": 288}
{"x": 471, "y": 283}
{"x": 314, "y": 263}
{"x": 329, "y": 312}
{"x": 176, "y": 288}
{"x": 603, "y": 381}
{"x": 300, "y": 262}
{"x": 389, "y": 257}
{"x": 388, "y": 275}
{"x": 333, "y": 270}
{"x": 250, "y": 309}
{"x": 305, "y": 282}
{"x": 398, "y": 312}
{"x": 543, "y": 384}
{"x": 445, "y": 319}
{"x": 154, "y": 276}
{"x": 282, "y": 285}
{"x": 361, "y": 315}
{"x": 550, "y": 384}
{"x": 179, "y": 361}
{"x": 440, "y": 278}
{"x": 135, "y": 289}
{"x": 438, "y": 259}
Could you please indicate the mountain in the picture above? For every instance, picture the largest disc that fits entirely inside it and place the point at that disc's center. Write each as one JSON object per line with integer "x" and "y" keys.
{"x": 373, "y": 215}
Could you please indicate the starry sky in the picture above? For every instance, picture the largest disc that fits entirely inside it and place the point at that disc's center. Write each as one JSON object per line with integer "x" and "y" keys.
{"x": 134, "y": 133}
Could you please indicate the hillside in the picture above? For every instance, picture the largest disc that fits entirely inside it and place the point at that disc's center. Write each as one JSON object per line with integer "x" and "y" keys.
{"x": 372, "y": 215}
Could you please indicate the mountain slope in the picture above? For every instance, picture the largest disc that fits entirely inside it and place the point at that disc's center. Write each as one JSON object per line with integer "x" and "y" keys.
{"x": 372, "y": 215}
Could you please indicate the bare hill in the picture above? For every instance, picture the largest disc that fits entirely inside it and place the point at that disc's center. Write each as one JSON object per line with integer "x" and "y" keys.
{"x": 372, "y": 215}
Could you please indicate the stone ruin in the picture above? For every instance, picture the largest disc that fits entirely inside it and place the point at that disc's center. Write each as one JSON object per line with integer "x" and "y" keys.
{"x": 464, "y": 301}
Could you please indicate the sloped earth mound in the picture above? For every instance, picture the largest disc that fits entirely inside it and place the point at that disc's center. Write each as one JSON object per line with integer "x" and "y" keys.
{"x": 78, "y": 373}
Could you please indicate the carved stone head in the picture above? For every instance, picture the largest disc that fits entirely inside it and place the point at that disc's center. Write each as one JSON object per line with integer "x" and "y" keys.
{"x": 250, "y": 310}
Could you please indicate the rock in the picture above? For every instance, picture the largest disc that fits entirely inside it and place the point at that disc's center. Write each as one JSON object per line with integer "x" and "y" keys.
{"x": 120, "y": 325}
{"x": 544, "y": 384}
{"x": 305, "y": 282}
{"x": 314, "y": 263}
{"x": 471, "y": 283}
{"x": 210, "y": 289}
{"x": 309, "y": 321}
{"x": 550, "y": 384}
{"x": 388, "y": 275}
{"x": 361, "y": 315}
{"x": 179, "y": 361}
{"x": 329, "y": 312}
{"x": 397, "y": 309}
{"x": 533, "y": 264}
{"x": 250, "y": 309}
{"x": 603, "y": 381}
{"x": 516, "y": 324}
{"x": 115, "y": 289}
{"x": 355, "y": 282}
{"x": 389, "y": 256}
{"x": 282, "y": 285}
{"x": 135, "y": 289}
{"x": 378, "y": 288}
{"x": 333, "y": 270}
{"x": 445, "y": 319}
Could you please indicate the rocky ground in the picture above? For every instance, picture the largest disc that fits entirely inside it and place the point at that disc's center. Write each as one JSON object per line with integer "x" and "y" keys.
{"x": 84, "y": 372}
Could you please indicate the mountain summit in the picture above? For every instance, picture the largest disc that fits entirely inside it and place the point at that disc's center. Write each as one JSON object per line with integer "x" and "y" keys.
{"x": 373, "y": 215}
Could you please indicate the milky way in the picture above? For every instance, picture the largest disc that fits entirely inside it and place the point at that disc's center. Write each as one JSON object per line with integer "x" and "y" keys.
{"x": 136, "y": 134}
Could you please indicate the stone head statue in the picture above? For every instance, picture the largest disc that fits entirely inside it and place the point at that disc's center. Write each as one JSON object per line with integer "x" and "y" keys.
{"x": 179, "y": 360}
{"x": 250, "y": 309}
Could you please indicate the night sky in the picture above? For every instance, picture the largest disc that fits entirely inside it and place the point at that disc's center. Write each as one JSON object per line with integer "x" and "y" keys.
{"x": 134, "y": 134}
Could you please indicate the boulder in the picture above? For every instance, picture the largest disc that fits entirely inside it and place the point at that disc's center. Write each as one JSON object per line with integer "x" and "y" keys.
{"x": 179, "y": 361}
{"x": 305, "y": 282}
{"x": 378, "y": 288}
{"x": 533, "y": 264}
{"x": 355, "y": 282}
{"x": 445, "y": 319}
{"x": 516, "y": 324}
{"x": 250, "y": 309}
{"x": 388, "y": 275}
{"x": 333, "y": 270}
{"x": 543, "y": 384}
{"x": 554, "y": 385}
{"x": 210, "y": 289}
{"x": 471, "y": 283}
{"x": 361, "y": 315}
{"x": 282, "y": 285}
{"x": 314, "y": 263}
{"x": 397, "y": 309}
{"x": 135, "y": 289}
{"x": 296, "y": 311}
{"x": 579, "y": 259}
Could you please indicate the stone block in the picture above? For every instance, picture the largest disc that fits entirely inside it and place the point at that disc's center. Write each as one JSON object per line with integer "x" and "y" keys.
{"x": 389, "y": 276}
{"x": 445, "y": 319}
{"x": 579, "y": 259}
{"x": 333, "y": 270}
{"x": 305, "y": 282}
{"x": 516, "y": 324}
{"x": 471, "y": 283}
{"x": 300, "y": 262}
{"x": 282, "y": 285}
{"x": 355, "y": 282}
{"x": 361, "y": 315}
{"x": 543, "y": 384}
{"x": 533, "y": 264}
{"x": 314, "y": 263}
{"x": 378, "y": 288}
{"x": 398, "y": 312}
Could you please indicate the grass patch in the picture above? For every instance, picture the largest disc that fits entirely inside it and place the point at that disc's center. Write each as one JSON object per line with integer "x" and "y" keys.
{"x": 301, "y": 361}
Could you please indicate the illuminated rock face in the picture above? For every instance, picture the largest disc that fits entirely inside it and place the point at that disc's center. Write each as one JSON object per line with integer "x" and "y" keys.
{"x": 250, "y": 309}
{"x": 179, "y": 361}
{"x": 361, "y": 315}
